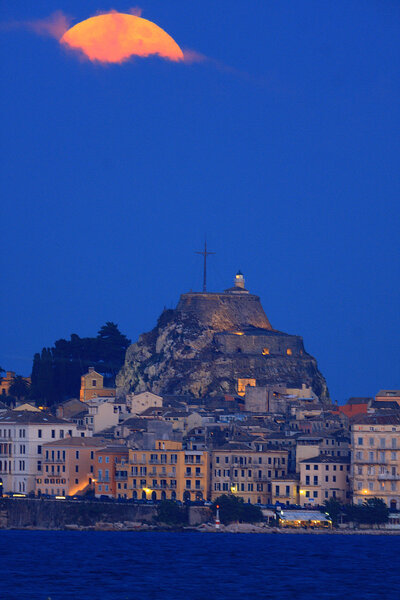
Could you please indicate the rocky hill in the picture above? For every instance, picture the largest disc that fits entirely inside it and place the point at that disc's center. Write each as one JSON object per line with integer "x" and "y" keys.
{"x": 210, "y": 342}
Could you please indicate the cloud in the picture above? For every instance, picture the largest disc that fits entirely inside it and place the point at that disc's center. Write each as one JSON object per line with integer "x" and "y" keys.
{"x": 55, "y": 25}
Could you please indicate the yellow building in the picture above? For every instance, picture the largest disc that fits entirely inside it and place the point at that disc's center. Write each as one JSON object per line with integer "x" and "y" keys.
{"x": 324, "y": 477}
{"x": 92, "y": 386}
{"x": 246, "y": 473}
{"x": 375, "y": 459}
{"x": 286, "y": 490}
{"x": 166, "y": 473}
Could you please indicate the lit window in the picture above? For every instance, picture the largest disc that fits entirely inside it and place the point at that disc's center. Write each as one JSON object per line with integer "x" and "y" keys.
{"x": 265, "y": 351}
{"x": 289, "y": 352}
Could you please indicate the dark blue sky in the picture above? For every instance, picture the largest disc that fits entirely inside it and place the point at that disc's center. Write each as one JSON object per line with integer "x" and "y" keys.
{"x": 287, "y": 158}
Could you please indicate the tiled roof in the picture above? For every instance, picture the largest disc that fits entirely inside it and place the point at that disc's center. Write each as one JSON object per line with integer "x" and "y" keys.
{"x": 78, "y": 442}
{"x": 325, "y": 458}
{"x": 29, "y": 417}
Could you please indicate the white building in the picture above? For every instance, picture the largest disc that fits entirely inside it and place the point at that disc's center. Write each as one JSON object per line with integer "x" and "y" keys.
{"x": 101, "y": 415}
{"x": 22, "y": 435}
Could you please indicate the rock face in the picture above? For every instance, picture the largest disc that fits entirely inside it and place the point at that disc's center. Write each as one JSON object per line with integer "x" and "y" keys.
{"x": 209, "y": 343}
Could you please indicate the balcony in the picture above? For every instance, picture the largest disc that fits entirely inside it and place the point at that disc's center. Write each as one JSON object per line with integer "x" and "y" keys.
{"x": 388, "y": 477}
{"x": 138, "y": 462}
{"x": 195, "y": 475}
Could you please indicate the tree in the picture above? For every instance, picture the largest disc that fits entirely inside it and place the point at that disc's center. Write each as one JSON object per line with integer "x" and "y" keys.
{"x": 170, "y": 513}
{"x": 232, "y": 508}
{"x": 19, "y": 388}
{"x": 333, "y": 508}
{"x": 371, "y": 511}
{"x": 1, "y": 371}
{"x": 57, "y": 371}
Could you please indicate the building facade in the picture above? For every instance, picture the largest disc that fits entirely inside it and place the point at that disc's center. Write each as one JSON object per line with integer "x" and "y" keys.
{"x": 108, "y": 460}
{"x": 246, "y": 473}
{"x": 22, "y": 436}
{"x": 68, "y": 466}
{"x": 375, "y": 459}
{"x": 324, "y": 477}
{"x": 168, "y": 472}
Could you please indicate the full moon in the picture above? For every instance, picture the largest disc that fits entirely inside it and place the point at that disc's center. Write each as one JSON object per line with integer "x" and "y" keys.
{"x": 116, "y": 37}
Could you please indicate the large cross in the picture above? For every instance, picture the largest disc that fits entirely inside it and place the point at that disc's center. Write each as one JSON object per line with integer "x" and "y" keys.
{"x": 205, "y": 253}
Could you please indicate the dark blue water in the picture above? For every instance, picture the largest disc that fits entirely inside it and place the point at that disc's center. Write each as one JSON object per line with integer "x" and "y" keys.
{"x": 194, "y": 566}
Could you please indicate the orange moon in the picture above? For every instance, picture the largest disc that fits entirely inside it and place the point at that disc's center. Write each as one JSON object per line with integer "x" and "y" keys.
{"x": 115, "y": 37}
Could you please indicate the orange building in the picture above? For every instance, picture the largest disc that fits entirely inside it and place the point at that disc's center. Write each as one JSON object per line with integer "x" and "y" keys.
{"x": 92, "y": 386}
{"x": 107, "y": 461}
{"x": 68, "y": 466}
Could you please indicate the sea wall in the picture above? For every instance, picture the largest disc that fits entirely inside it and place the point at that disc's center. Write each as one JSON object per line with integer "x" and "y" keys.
{"x": 58, "y": 514}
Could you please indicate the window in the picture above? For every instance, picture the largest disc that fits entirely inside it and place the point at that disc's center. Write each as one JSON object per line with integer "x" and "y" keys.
{"x": 39, "y": 433}
{"x": 76, "y": 468}
{"x": 307, "y": 480}
{"x": 217, "y": 460}
{"x": 307, "y": 494}
{"x": 394, "y": 443}
{"x": 289, "y": 352}
{"x": 360, "y": 441}
{"x": 315, "y": 494}
{"x": 53, "y": 433}
{"x": 315, "y": 479}
{"x": 307, "y": 467}
{"x": 39, "y": 449}
{"x": 334, "y": 478}
{"x": 382, "y": 442}
{"x": 315, "y": 467}
{"x": 94, "y": 383}
{"x": 107, "y": 459}
{"x": 61, "y": 433}
{"x": 77, "y": 454}
{"x": 91, "y": 455}
{"x": 371, "y": 441}
{"x": 100, "y": 459}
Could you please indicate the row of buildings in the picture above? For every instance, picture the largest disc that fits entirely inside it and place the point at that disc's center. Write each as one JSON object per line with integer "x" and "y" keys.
{"x": 153, "y": 448}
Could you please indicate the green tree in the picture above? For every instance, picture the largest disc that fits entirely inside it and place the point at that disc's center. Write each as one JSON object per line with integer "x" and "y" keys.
{"x": 371, "y": 511}
{"x": 19, "y": 388}
{"x": 232, "y": 508}
{"x": 333, "y": 508}
{"x": 56, "y": 372}
{"x": 170, "y": 513}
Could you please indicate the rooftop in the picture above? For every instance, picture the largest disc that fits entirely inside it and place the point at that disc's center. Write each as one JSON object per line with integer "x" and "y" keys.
{"x": 324, "y": 458}
{"x": 31, "y": 417}
{"x": 77, "y": 442}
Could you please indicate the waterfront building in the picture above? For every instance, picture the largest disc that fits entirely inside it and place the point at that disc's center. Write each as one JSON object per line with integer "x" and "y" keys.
{"x": 167, "y": 472}
{"x": 108, "y": 460}
{"x": 375, "y": 459}
{"x": 22, "y": 436}
{"x": 68, "y": 466}
{"x": 331, "y": 444}
{"x": 324, "y": 477}
{"x": 238, "y": 469}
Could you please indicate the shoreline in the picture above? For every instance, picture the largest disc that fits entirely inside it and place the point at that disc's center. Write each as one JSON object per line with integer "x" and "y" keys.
{"x": 233, "y": 528}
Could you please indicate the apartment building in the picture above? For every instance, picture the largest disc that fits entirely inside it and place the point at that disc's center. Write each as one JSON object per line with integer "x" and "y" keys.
{"x": 168, "y": 472}
{"x": 331, "y": 444}
{"x": 108, "y": 460}
{"x": 324, "y": 477}
{"x": 22, "y": 436}
{"x": 375, "y": 459}
{"x": 238, "y": 469}
{"x": 68, "y": 466}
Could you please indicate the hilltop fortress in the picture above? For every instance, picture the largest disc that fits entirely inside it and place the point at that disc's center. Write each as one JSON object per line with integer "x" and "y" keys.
{"x": 214, "y": 344}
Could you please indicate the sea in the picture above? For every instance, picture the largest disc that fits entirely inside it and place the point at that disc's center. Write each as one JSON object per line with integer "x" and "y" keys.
{"x": 58, "y": 565}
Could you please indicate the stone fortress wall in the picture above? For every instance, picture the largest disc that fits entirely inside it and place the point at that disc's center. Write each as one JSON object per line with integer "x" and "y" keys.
{"x": 266, "y": 344}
